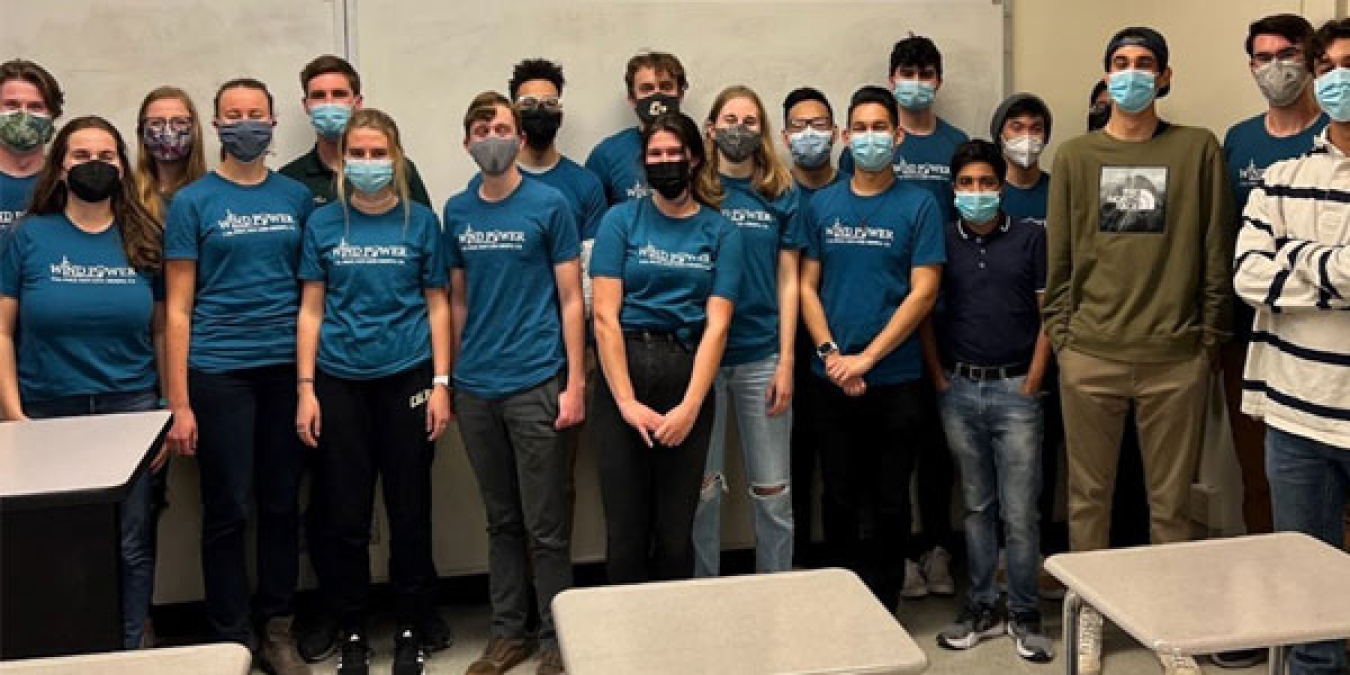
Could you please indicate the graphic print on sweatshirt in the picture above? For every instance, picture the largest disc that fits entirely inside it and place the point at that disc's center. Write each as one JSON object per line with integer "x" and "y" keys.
{"x": 1133, "y": 199}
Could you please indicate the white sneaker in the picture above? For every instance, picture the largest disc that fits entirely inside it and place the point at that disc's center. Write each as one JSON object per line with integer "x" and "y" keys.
{"x": 915, "y": 586}
{"x": 937, "y": 571}
{"x": 1089, "y": 642}
{"x": 1179, "y": 665}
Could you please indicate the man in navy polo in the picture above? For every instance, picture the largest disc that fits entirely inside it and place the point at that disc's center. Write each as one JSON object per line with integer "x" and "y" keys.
{"x": 987, "y": 355}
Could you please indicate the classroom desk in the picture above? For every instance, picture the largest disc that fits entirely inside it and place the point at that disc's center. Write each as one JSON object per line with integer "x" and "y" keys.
{"x": 1203, "y": 597}
{"x": 60, "y": 544}
{"x": 821, "y": 621}
{"x": 218, "y": 659}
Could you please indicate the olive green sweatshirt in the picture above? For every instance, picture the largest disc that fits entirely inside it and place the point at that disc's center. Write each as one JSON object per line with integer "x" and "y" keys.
{"x": 1139, "y": 246}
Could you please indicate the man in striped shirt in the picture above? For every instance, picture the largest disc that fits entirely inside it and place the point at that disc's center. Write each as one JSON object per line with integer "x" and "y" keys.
{"x": 1293, "y": 266}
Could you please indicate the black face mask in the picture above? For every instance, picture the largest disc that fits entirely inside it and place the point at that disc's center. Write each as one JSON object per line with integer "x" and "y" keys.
{"x": 671, "y": 179}
{"x": 540, "y": 126}
{"x": 651, "y": 107}
{"x": 1098, "y": 115}
{"x": 93, "y": 181}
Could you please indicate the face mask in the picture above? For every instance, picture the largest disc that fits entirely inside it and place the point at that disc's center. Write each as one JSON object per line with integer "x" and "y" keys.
{"x": 651, "y": 107}
{"x": 670, "y": 179}
{"x": 21, "y": 131}
{"x": 369, "y": 175}
{"x": 872, "y": 150}
{"x": 1132, "y": 90}
{"x": 167, "y": 145}
{"x": 495, "y": 154}
{"x": 737, "y": 142}
{"x": 977, "y": 207}
{"x": 93, "y": 181}
{"x": 914, "y": 94}
{"x": 1024, "y": 151}
{"x": 810, "y": 148}
{"x": 246, "y": 140}
{"x": 329, "y": 119}
{"x": 1333, "y": 93}
{"x": 1281, "y": 82}
{"x": 541, "y": 127}
{"x": 1098, "y": 115}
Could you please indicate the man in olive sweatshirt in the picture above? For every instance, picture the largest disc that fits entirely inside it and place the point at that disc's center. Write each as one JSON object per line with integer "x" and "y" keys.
{"x": 1137, "y": 300}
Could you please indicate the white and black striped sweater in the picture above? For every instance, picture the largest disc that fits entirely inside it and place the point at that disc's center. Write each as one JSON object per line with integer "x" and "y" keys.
{"x": 1293, "y": 265}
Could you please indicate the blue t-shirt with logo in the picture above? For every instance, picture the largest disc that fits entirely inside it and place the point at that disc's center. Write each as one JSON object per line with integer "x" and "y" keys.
{"x": 617, "y": 162}
{"x": 805, "y": 193}
{"x": 84, "y": 311}
{"x": 867, "y": 247}
{"x": 669, "y": 266}
{"x": 925, "y": 161}
{"x": 14, "y": 196}
{"x": 767, "y": 226}
{"x": 581, "y": 188}
{"x": 1027, "y": 203}
{"x": 374, "y": 269}
{"x": 246, "y": 242}
{"x": 512, "y": 339}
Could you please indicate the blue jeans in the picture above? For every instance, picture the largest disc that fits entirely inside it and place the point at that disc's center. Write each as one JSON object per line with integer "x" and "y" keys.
{"x": 136, "y": 513}
{"x": 994, "y": 432}
{"x": 765, "y": 443}
{"x": 1309, "y": 486}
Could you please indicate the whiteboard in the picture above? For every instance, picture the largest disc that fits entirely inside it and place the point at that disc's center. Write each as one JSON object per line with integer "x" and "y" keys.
{"x": 424, "y": 60}
{"x": 108, "y": 54}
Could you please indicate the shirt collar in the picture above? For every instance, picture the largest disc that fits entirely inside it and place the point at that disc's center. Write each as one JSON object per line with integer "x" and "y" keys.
{"x": 967, "y": 233}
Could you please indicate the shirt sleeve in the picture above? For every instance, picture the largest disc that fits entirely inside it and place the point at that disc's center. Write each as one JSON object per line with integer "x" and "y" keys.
{"x": 311, "y": 263}
{"x": 563, "y": 242}
{"x": 181, "y": 231}
{"x": 593, "y": 207}
{"x": 808, "y": 229}
{"x": 607, "y": 255}
{"x": 790, "y": 236}
{"x": 730, "y": 259}
{"x": 1058, "y": 256}
{"x": 433, "y": 253}
{"x": 930, "y": 244}
{"x": 1217, "y": 295}
{"x": 598, "y": 163}
{"x": 11, "y": 264}
{"x": 1276, "y": 272}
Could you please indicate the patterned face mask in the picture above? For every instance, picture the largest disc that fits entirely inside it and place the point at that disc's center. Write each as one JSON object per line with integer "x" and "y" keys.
{"x": 21, "y": 131}
{"x": 167, "y": 144}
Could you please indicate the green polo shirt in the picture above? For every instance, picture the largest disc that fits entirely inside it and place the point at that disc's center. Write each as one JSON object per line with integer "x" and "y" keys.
{"x": 310, "y": 170}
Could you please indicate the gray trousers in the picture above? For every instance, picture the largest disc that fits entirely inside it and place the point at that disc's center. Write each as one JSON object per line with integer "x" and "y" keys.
{"x": 522, "y": 468}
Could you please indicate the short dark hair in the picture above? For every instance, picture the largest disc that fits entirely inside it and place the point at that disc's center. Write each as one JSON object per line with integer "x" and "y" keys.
{"x": 243, "y": 83}
{"x": 535, "y": 69}
{"x": 660, "y": 62}
{"x": 32, "y": 73}
{"x": 875, "y": 94}
{"x": 691, "y": 137}
{"x": 917, "y": 51}
{"x": 1331, "y": 31}
{"x": 979, "y": 150}
{"x": 484, "y": 107}
{"x": 805, "y": 94}
{"x": 329, "y": 63}
{"x": 1291, "y": 27}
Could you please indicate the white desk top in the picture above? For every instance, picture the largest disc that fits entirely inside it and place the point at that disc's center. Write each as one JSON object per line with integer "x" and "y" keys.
{"x": 1217, "y": 595}
{"x": 75, "y": 454}
{"x": 822, "y": 621}
{"x": 218, "y": 659}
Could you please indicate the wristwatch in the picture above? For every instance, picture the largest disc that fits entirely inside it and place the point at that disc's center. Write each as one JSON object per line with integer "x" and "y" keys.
{"x": 442, "y": 380}
{"x": 826, "y": 348}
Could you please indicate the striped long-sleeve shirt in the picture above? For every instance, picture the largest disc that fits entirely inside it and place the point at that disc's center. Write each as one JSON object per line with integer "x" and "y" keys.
{"x": 1293, "y": 266}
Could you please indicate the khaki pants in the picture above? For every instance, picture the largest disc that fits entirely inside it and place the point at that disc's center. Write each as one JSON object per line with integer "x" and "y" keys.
{"x": 1169, "y": 401}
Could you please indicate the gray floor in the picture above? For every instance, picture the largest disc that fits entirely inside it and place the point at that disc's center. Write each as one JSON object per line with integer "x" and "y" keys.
{"x": 922, "y": 618}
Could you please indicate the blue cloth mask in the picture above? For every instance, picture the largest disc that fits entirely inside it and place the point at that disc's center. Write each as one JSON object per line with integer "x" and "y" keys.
{"x": 872, "y": 150}
{"x": 329, "y": 119}
{"x": 1333, "y": 93}
{"x": 914, "y": 94}
{"x": 1132, "y": 90}
{"x": 246, "y": 140}
{"x": 977, "y": 207}
{"x": 369, "y": 175}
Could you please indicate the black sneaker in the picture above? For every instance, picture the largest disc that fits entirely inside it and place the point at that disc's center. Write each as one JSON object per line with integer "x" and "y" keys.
{"x": 354, "y": 659}
{"x": 1031, "y": 642}
{"x": 975, "y": 623}
{"x": 317, "y": 638}
{"x": 433, "y": 632}
{"x": 1239, "y": 658}
{"x": 409, "y": 657}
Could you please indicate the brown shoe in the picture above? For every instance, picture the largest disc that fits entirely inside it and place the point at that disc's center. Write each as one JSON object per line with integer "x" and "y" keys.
{"x": 550, "y": 662}
{"x": 278, "y": 649}
{"x": 501, "y": 655}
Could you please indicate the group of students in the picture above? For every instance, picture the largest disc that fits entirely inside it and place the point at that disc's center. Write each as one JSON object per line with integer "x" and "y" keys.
{"x": 901, "y": 312}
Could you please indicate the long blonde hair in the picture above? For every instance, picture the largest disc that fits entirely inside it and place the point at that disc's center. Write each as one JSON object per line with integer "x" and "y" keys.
{"x": 770, "y": 178}
{"x": 370, "y": 118}
{"x": 147, "y": 170}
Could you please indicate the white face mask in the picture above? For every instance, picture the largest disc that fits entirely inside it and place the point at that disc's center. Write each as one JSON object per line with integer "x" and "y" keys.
{"x": 1024, "y": 151}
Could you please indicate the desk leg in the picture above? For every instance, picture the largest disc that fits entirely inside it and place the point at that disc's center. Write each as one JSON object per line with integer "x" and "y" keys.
{"x": 1277, "y": 659}
{"x": 1073, "y": 606}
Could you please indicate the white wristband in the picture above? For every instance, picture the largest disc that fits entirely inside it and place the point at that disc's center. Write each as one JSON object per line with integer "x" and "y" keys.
{"x": 442, "y": 380}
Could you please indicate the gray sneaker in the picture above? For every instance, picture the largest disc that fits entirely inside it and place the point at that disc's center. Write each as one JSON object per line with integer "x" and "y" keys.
{"x": 1032, "y": 644}
{"x": 975, "y": 623}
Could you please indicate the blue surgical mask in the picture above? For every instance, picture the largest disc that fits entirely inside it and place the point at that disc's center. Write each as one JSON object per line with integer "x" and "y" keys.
{"x": 369, "y": 175}
{"x": 977, "y": 207}
{"x": 1132, "y": 90}
{"x": 810, "y": 148}
{"x": 872, "y": 150}
{"x": 1333, "y": 93}
{"x": 246, "y": 140}
{"x": 329, "y": 119}
{"x": 914, "y": 94}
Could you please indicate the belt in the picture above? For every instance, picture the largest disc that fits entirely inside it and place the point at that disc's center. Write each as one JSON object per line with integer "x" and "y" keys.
{"x": 687, "y": 339}
{"x": 989, "y": 373}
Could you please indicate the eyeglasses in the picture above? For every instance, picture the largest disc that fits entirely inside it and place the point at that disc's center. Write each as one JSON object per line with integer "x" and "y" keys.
{"x": 817, "y": 123}
{"x": 552, "y": 103}
{"x": 1286, "y": 54}
{"x": 175, "y": 123}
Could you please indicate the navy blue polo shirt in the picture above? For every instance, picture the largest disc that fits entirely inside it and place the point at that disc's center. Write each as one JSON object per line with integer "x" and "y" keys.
{"x": 987, "y": 312}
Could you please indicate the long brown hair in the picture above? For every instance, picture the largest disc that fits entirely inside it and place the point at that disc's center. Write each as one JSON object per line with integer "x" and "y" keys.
{"x": 770, "y": 178}
{"x": 142, "y": 234}
{"x": 370, "y": 118}
{"x": 147, "y": 169}
{"x": 685, "y": 129}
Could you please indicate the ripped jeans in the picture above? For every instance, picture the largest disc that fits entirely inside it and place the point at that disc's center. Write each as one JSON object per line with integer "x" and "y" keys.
{"x": 765, "y": 444}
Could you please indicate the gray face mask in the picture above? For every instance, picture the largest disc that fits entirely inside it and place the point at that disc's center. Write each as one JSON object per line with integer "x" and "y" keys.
{"x": 737, "y": 142}
{"x": 1281, "y": 82}
{"x": 495, "y": 154}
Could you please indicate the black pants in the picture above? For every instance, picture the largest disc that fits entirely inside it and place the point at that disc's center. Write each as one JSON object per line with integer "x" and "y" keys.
{"x": 650, "y": 494}
{"x": 867, "y": 449}
{"x": 248, "y": 452}
{"x": 935, "y": 479}
{"x": 369, "y": 428}
{"x": 804, "y": 460}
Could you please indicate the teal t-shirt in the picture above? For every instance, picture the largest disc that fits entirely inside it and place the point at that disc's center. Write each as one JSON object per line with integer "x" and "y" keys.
{"x": 245, "y": 240}
{"x": 14, "y": 196}
{"x": 581, "y": 188}
{"x": 767, "y": 226}
{"x": 84, "y": 311}
{"x": 374, "y": 269}
{"x": 926, "y": 162}
{"x": 512, "y": 339}
{"x": 1027, "y": 203}
{"x": 617, "y": 162}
